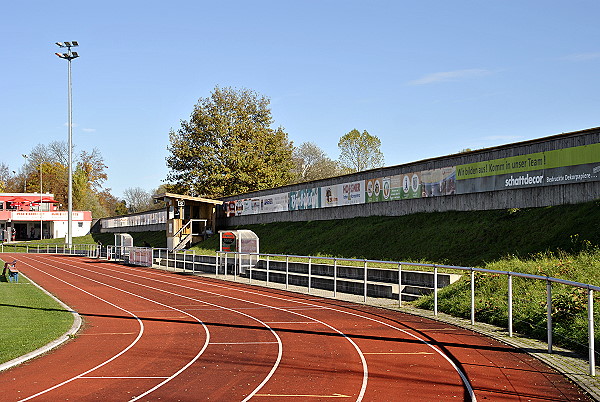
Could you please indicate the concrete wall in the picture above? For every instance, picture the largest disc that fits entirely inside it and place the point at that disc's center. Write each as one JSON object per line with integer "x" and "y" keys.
{"x": 504, "y": 199}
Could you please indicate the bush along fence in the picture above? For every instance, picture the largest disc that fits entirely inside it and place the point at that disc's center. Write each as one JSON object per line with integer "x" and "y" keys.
{"x": 367, "y": 278}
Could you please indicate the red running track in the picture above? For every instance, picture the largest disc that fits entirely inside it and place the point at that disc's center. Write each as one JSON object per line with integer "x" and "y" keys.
{"x": 151, "y": 335}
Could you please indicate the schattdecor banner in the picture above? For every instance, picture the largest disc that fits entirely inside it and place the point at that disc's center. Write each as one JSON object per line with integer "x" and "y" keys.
{"x": 561, "y": 166}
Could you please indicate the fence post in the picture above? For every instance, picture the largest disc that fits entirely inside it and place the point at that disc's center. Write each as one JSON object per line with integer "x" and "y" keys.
{"x": 309, "y": 273}
{"x": 549, "y": 313}
{"x": 399, "y": 284}
{"x": 435, "y": 290}
{"x": 335, "y": 278}
{"x": 287, "y": 271}
{"x": 268, "y": 270}
{"x": 591, "y": 336}
{"x": 366, "y": 279}
{"x": 249, "y": 266}
{"x": 472, "y": 297}
{"x": 510, "y": 305}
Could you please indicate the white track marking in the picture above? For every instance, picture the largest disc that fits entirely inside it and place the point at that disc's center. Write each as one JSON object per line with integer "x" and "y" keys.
{"x": 303, "y": 302}
{"x": 351, "y": 341}
{"x": 132, "y": 344}
{"x": 141, "y": 331}
{"x": 278, "y": 360}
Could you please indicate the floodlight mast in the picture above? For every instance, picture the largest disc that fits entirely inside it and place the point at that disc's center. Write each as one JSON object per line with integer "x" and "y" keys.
{"x": 69, "y": 56}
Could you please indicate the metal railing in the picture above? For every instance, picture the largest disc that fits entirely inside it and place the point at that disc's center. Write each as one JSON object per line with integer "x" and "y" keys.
{"x": 239, "y": 266}
{"x": 245, "y": 265}
{"x": 86, "y": 250}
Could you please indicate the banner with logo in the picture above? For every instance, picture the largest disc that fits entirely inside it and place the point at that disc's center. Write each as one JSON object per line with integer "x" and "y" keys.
{"x": 561, "y": 166}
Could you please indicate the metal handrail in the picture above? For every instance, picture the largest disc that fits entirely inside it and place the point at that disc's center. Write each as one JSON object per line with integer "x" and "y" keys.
{"x": 472, "y": 270}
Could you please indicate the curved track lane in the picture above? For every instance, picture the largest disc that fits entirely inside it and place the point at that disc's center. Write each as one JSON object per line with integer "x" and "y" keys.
{"x": 152, "y": 335}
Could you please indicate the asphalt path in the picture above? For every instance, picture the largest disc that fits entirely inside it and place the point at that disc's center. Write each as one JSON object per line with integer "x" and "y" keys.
{"x": 155, "y": 335}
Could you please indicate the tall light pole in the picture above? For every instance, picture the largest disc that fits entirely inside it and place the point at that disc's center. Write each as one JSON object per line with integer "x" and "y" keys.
{"x": 41, "y": 213}
{"x": 69, "y": 56}
{"x": 25, "y": 173}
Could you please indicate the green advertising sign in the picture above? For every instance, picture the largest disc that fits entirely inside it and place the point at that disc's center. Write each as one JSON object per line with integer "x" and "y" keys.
{"x": 525, "y": 163}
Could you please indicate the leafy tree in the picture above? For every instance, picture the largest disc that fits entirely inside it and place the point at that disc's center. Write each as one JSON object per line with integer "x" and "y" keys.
{"x": 360, "y": 151}
{"x": 110, "y": 204}
{"x": 311, "y": 163}
{"x": 228, "y": 147}
{"x": 121, "y": 208}
{"x": 49, "y": 164}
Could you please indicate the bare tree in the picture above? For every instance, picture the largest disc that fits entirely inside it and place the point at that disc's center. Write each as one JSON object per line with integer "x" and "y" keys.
{"x": 137, "y": 199}
{"x": 311, "y": 163}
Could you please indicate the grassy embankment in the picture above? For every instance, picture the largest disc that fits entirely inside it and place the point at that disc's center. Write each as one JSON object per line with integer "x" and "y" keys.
{"x": 29, "y": 318}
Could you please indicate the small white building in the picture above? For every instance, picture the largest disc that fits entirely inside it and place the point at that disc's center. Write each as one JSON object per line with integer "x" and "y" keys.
{"x": 32, "y": 216}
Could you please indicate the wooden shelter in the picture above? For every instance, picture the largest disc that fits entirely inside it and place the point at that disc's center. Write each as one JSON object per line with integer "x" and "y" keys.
{"x": 189, "y": 219}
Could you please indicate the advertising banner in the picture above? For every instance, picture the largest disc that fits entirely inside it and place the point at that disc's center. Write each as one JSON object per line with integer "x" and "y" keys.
{"x": 274, "y": 203}
{"x": 438, "y": 182}
{"x": 561, "y": 166}
{"x": 330, "y": 195}
{"x": 309, "y": 198}
{"x": 352, "y": 193}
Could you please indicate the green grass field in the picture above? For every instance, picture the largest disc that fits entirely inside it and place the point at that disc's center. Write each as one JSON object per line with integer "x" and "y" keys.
{"x": 29, "y": 318}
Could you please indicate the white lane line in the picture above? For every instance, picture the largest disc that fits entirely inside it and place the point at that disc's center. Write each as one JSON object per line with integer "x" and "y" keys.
{"x": 291, "y": 322}
{"x": 280, "y": 351}
{"x": 347, "y": 338}
{"x": 461, "y": 374}
{"x": 136, "y": 340}
{"x": 140, "y": 332}
{"x": 122, "y": 378}
{"x": 399, "y": 353}
{"x": 303, "y": 302}
{"x": 243, "y": 343}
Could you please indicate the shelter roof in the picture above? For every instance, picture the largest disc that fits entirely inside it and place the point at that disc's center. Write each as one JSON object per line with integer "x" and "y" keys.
{"x": 166, "y": 196}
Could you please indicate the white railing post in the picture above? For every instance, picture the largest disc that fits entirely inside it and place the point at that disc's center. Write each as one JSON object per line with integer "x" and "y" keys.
{"x": 591, "y": 337}
{"x": 249, "y": 266}
{"x": 399, "y": 285}
{"x": 549, "y": 314}
{"x": 217, "y": 260}
{"x": 365, "y": 295}
{"x": 435, "y": 290}
{"x": 510, "y": 305}
{"x": 309, "y": 273}
{"x": 287, "y": 271}
{"x": 472, "y": 297}
{"x": 335, "y": 278}
{"x": 268, "y": 260}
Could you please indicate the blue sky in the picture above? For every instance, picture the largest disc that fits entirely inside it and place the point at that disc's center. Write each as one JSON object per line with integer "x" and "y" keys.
{"x": 429, "y": 78}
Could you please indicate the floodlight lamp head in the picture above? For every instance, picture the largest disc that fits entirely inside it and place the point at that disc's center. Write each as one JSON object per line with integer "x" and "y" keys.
{"x": 60, "y": 44}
